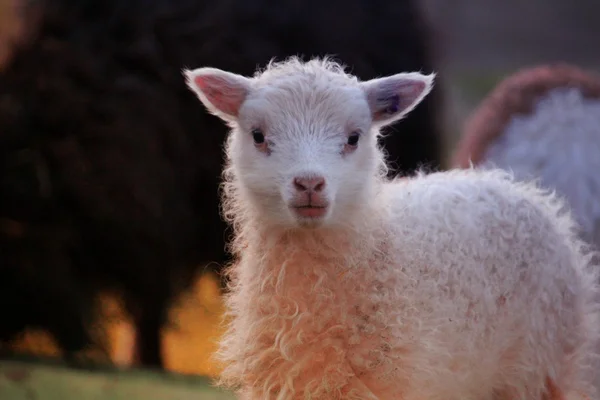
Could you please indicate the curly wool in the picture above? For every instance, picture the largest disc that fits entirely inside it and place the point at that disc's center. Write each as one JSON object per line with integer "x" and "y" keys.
{"x": 447, "y": 296}
{"x": 455, "y": 285}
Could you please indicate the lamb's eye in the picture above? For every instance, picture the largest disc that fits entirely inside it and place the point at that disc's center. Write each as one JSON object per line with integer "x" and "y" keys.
{"x": 258, "y": 136}
{"x": 353, "y": 139}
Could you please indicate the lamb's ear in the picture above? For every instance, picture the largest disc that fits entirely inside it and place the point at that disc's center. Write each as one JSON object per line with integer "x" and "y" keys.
{"x": 221, "y": 92}
{"x": 392, "y": 97}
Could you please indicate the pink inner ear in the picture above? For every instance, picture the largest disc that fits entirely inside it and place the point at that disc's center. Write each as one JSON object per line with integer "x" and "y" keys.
{"x": 410, "y": 91}
{"x": 225, "y": 95}
{"x": 395, "y": 96}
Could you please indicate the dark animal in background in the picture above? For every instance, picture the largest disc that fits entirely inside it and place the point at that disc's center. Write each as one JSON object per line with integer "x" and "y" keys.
{"x": 105, "y": 181}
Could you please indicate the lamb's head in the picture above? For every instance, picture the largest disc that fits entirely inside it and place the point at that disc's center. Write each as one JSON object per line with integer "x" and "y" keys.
{"x": 303, "y": 146}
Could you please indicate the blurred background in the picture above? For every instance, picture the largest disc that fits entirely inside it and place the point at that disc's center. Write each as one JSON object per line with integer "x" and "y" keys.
{"x": 74, "y": 75}
{"x": 481, "y": 41}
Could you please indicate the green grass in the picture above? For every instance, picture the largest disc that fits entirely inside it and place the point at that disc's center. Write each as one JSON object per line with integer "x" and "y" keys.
{"x": 42, "y": 380}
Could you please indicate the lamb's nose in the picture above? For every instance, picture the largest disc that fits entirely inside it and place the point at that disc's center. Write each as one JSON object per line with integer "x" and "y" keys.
{"x": 309, "y": 184}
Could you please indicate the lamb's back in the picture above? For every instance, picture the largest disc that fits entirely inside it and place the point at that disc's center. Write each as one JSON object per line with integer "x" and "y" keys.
{"x": 479, "y": 215}
{"x": 498, "y": 275}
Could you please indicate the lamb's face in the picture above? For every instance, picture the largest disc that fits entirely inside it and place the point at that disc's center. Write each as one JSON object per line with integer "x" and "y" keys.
{"x": 304, "y": 141}
{"x": 305, "y": 152}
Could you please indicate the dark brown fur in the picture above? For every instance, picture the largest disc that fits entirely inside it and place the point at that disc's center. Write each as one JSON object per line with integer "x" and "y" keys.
{"x": 109, "y": 168}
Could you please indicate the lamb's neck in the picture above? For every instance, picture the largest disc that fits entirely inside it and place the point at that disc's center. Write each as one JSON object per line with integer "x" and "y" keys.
{"x": 293, "y": 261}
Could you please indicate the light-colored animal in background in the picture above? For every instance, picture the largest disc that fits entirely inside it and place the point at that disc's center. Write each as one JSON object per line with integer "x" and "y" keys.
{"x": 456, "y": 285}
{"x": 543, "y": 123}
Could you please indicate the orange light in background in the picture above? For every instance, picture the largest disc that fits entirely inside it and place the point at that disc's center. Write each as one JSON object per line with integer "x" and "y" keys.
{"x": 188, "y": 347}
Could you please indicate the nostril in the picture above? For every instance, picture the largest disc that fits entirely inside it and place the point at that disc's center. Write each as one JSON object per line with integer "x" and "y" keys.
{"x": 315, "y": 184}
{"x": 299, "y": 184}
{"x": 318, "y": 184}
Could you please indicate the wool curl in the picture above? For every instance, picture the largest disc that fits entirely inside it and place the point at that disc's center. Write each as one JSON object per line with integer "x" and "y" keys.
{"x": 466, "y": 284}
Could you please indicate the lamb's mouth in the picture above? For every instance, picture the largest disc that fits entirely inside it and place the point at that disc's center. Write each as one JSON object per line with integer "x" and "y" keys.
{"x": 310, "y": 211}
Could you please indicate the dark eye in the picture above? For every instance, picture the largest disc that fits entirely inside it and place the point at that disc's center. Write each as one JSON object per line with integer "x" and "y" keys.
{"x": 353, "y": 139}
{"x": 258, "y": 136}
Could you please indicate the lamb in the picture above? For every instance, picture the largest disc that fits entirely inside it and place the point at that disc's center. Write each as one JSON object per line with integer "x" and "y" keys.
{"x": 456, "y": 285}
{"x": 105, "y": 184}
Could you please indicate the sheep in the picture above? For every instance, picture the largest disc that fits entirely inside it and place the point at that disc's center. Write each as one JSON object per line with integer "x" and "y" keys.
{"x": 543, "y": 122}
{"x": 105, "y": 183}
{"x": 463, "y": 284}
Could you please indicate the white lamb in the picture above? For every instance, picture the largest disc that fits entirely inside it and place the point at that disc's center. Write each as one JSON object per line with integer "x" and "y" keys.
{"x": 457, "y": 285}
